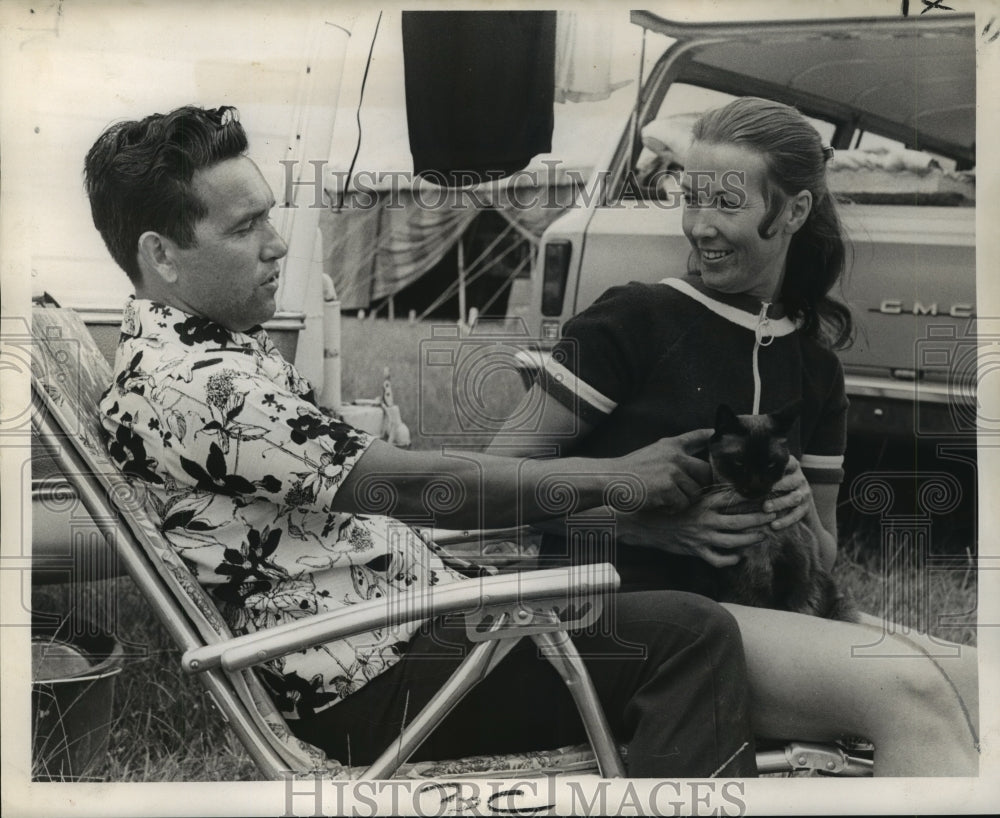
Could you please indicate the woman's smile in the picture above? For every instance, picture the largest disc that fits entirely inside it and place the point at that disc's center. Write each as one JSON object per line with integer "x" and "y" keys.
{"x": 711, "y": 256}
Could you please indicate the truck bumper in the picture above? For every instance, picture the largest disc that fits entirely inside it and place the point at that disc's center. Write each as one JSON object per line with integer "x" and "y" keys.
{"x": 889, "y": 408}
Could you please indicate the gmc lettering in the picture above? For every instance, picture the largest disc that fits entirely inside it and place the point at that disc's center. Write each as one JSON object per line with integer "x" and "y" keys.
{"x": 892, "y": 306}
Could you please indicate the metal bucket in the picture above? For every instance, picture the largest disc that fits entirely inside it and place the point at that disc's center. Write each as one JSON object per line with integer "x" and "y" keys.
{"x": 73, "y": 679}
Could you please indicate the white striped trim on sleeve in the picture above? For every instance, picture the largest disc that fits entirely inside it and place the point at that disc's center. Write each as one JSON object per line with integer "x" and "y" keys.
{"x": 561, "y": 379}
{"x": 822, "y": 461}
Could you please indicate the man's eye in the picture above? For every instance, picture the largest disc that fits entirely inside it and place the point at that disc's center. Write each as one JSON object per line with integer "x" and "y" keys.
{"x": 254, "y": 223}
{"x": 729, "y": 204}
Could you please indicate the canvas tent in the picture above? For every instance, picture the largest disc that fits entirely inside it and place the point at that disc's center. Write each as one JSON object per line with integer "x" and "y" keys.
{"x": 395, "y": 229}
{"x": 382, "y": 242}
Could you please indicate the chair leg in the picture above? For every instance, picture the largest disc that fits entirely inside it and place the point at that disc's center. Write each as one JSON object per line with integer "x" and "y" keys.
{"x": 559, "y": 649}
{"x": 480, "y": 661}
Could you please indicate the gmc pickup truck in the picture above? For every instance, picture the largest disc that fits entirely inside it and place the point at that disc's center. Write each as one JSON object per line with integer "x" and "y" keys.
{"x": 896, "y": 98}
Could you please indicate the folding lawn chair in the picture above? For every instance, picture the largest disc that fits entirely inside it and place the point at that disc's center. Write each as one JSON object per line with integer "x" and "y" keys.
{"x": 69, "y": 374}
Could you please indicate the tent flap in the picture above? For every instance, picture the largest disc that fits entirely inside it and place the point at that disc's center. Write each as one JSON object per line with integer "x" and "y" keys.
{"x": 413, "y": 239}
{"x": 374, "y": 248}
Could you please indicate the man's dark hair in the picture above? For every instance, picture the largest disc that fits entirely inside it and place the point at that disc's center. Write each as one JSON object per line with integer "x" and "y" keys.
{"x": 138, "y": 176}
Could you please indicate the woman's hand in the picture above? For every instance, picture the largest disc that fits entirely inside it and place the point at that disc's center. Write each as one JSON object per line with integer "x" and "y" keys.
{"x": 795, "y": 500}
{"x": 799, "y": 502}
{"x": 701, "y": 530}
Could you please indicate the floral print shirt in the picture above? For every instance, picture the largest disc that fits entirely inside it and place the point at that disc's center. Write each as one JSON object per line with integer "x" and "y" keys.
{"x": 240, "y": 468}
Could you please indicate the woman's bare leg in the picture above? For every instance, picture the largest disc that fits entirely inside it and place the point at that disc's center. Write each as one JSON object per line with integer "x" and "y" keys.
{"x": 814, "y": 679}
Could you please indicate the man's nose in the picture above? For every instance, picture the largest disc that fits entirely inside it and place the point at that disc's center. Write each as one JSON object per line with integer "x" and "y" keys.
{"x": 275, "y": 247}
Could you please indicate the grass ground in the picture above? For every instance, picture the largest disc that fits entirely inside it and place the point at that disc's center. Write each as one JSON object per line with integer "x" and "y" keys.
{"x": 164, "y": 728}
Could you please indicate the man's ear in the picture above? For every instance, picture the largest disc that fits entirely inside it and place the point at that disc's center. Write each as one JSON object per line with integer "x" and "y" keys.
{"x": 156, "y": 256}
{"x": 799, "y": 206}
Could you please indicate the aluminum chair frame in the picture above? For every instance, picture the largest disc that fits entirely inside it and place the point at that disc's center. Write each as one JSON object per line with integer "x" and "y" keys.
{"x": 522, "y": 600}
{"x": 215, "y": 663}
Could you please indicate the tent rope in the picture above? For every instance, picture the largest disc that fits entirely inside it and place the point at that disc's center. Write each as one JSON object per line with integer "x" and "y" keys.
{"x": 357, "y": 116}
{"x": 452, "y": 288}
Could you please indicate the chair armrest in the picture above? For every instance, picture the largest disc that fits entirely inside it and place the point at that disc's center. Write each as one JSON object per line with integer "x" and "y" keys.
{"x": 479, "y": 551}
{"x": 448, "y": 536}
{"x": 261, "y": 646}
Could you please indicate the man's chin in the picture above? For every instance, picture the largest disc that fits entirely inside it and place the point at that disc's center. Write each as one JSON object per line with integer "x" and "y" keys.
{"x": 257, "y": 324}
{"x": 267, "y": 314}
{"x": 251, "y": 320}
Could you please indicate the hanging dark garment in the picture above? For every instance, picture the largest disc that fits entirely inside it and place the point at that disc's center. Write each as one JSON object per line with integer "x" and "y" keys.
{"x": 479, "y": 91}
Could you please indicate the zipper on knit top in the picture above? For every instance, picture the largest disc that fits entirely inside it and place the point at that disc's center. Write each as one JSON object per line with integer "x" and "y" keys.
{"x": 762, "y": 338}
{"x": 764, "y": 328}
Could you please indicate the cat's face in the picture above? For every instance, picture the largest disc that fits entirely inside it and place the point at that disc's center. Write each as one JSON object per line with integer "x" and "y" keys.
{"x": 750, "y": 452}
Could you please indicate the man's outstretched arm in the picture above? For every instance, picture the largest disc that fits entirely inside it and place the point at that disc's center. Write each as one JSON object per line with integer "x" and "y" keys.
{"x": 471, "y": 490}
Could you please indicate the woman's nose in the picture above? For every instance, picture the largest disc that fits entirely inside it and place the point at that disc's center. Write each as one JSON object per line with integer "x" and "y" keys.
{"x": 700, "y": 222}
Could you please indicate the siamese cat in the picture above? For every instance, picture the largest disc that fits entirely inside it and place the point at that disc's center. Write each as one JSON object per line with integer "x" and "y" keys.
{"x": 748, "y": 455}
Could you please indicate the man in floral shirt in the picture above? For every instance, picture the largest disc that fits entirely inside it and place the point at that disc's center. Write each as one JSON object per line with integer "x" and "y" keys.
{"x": 281, "y": 511}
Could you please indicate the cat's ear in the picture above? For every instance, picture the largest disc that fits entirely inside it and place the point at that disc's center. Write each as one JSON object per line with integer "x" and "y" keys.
{"x": 786, "y": 416}
{"x": 726, "y": 420}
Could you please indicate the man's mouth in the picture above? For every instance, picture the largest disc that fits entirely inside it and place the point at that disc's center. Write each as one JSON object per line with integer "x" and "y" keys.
{"x": 272, "y": 279}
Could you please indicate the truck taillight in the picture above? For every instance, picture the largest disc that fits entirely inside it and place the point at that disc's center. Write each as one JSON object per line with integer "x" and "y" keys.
{"x": 554, "y": 274}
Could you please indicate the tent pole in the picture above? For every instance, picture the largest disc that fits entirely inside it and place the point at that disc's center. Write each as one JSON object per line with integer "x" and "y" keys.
{"x": 330, "y": 395}
{"x": 461, "y": 283}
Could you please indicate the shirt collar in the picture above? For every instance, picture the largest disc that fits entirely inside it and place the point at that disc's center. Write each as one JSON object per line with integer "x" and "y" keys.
{"x": 143, "y": 317}
{"x": 739, "y": 308}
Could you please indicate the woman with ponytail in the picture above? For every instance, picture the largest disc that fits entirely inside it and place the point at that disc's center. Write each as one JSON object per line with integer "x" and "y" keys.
{"x": 753, "y": 325}
{"x": 795, "y": 160}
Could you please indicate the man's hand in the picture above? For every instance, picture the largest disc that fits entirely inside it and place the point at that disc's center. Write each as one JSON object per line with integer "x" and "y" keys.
{"x": 672, "y": 476}
{"x": 700, "y": 530}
